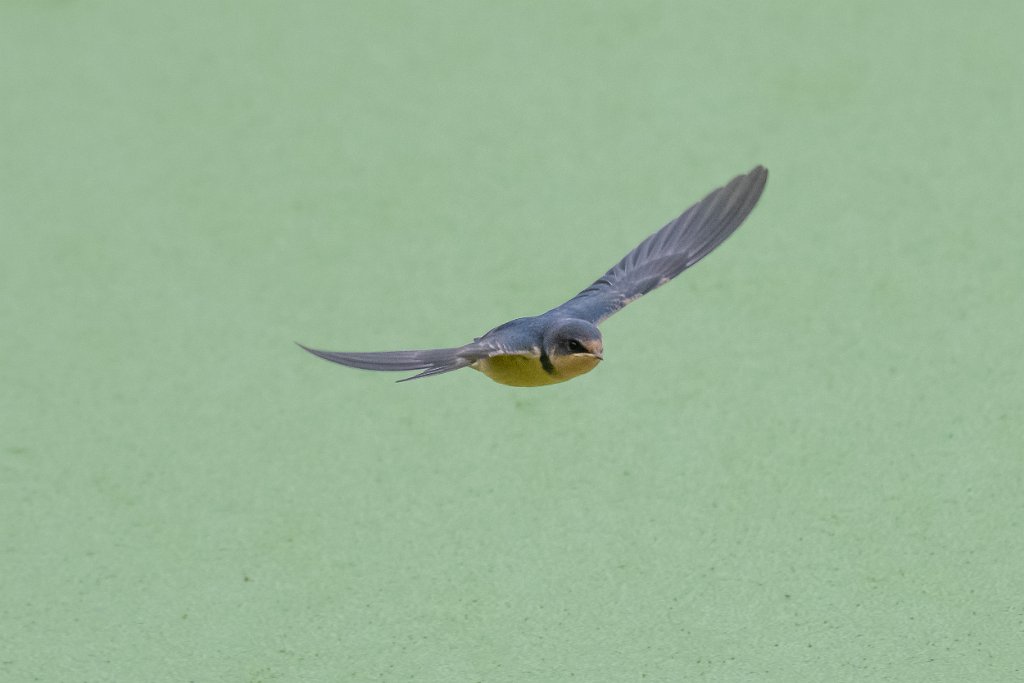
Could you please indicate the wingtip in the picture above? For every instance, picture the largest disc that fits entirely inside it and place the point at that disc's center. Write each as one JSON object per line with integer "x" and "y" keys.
{"x": 316, "y": 352}
{"x": 753, "y": 181}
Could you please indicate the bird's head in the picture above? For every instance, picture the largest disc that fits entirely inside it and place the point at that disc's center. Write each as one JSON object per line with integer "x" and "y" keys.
{"x": 572, "y": 344}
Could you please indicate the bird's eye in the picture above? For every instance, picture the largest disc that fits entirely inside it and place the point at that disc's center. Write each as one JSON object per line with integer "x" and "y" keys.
{"x": 575, "y": 346}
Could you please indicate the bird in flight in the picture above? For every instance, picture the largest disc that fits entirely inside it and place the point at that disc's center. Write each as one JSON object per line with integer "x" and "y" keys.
{"x": 564, "y": 342}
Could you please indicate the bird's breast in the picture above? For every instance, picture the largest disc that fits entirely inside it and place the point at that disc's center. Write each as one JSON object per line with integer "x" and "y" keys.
{"x": 528, "y": 371}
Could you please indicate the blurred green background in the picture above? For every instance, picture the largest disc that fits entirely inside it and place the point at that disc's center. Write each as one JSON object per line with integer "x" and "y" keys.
{"x": 803, "y": 460}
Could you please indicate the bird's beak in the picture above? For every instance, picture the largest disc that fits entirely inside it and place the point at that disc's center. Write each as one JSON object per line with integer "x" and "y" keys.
{"x": 597, "y": 356}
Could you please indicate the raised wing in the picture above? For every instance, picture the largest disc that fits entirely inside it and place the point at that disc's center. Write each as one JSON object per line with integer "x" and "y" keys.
{"x": 671, "y": 250}
{"x": 430, "y": 361}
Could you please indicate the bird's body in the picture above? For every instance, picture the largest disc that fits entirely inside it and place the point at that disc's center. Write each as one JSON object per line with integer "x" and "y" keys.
{"x": 525, "y": 362}
{"x": 565, "y": 342}
{"x": 527, "y": 370}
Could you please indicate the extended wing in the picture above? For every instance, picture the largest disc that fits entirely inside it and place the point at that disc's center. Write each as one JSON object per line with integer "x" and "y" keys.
{"x": 671, "y": 250}
{"x": 430, "y": 361}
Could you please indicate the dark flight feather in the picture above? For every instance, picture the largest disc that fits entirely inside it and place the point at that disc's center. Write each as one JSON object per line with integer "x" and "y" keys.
{"x": 671, "y": 250}
{"x": 430, "y": 361}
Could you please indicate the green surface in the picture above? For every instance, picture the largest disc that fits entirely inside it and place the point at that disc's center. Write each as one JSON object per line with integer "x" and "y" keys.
{"x": 802, "y": 461}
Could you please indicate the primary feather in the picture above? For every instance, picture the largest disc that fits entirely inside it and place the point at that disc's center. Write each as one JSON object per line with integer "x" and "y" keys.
{"x": 430, "y": 361}
{"x": 671, "y": 250}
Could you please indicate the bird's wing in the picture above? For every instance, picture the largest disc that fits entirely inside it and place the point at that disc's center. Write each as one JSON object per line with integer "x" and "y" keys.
{"x": 671, "y": 250}
{"x": 429, "y": 361}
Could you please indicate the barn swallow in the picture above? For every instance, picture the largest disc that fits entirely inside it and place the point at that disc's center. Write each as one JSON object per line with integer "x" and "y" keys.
{"x": 565, "y": 342}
